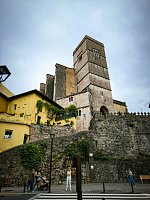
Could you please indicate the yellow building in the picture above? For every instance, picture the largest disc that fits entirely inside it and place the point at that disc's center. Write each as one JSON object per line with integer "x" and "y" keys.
{"x": 24, "y": 107}
{"x": 120, "y": 107}
{"x": 20, "y": 111}
{"x": 13, "y": 134}
{"x": 5, "y": 91}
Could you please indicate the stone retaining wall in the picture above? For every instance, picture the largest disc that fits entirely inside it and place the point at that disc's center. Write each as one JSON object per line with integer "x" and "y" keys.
{"x": 118, "y": 136}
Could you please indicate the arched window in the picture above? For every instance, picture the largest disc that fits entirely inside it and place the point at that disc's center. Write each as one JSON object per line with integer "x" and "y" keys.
{"x": 103, "y": 111}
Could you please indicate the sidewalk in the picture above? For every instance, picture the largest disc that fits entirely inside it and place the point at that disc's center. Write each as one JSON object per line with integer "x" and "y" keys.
{"x": 110, "y": 188}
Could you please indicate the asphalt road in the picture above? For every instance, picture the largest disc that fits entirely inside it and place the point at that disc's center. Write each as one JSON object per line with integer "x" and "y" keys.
{"x": 16, "y": 196}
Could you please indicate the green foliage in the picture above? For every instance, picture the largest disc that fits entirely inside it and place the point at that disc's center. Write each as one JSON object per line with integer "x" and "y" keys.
{"x": 53, "y": 111}
{"x": 68, "y": 112}
{"x": 57, "y": 157}
{"x": 130, "y": 124}
{"x": 71, "y": 123}
{"x": 39, "y": 105}
{"x": 100, "y": 155}
{"x": 31, "y": 154}
{"x": 81, "y": 147}
{"x": 51, "y": 108}
{"x": 72, "y": 109}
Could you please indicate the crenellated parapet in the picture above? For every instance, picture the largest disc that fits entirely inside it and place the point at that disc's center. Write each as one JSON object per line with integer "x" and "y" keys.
{"x": 132, "y": 114}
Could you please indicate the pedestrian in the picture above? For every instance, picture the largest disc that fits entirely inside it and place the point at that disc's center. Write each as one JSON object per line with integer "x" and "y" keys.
{"x": 130, "y": 178}
{"x": 68, "y": 179}
{"x": 31, "y": 180}
{"x": 37, "y": 178}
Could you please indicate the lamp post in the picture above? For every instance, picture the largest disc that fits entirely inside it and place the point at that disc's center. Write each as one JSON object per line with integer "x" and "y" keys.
{"x": 4, "y": 73}
{"x": 78, "y": 178}
{"x": 52, "y": 135}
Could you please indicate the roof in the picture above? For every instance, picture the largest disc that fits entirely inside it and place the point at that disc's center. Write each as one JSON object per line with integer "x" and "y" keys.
{"x": 4, "y": 96}
{"x": 5, "y": 90}
{"x": 37, "y": 93}
{"x": 120, "y": 102}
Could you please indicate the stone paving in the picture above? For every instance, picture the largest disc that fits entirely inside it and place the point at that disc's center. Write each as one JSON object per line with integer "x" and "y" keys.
{"x": 110, "y": 188}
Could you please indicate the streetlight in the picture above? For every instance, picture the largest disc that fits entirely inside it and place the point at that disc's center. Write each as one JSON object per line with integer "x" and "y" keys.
{"x": 4, "y": 73}
{"x": 52, "y": 135}
{"x": 51, "y": 138}
{"x": 91, "y": 161}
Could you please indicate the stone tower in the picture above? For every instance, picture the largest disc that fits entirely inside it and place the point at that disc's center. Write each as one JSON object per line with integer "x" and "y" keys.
{"x": 64, "y": 84}
{"x": 91, "y": 73}
{"x": 49, "y": 89}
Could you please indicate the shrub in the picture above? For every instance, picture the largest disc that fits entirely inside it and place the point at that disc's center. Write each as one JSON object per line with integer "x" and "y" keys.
{"x": 31, "y": 154}
{"x": 99, "y": 155}
{"x": 81, "y": 147}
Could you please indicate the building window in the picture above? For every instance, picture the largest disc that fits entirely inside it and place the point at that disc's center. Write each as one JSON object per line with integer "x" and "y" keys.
{"x": 15, "y": 106}
{"x": 70, "y": 99}
{"x": 21, "y": 114}
{"x": 25, "y": 140}
{"x": 79, "y": 112}
{"x": 96, "y": 53}
{"x": 80, "y": 56}
{"x": 8, "y": 134}
{"x": 38, "y": 120}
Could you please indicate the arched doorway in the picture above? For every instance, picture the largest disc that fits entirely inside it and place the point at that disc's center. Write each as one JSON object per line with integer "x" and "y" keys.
{"x": 103, "y": 110}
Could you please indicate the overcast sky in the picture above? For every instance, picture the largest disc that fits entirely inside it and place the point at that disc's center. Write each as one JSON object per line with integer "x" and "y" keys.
{"x": 37, "y": 34}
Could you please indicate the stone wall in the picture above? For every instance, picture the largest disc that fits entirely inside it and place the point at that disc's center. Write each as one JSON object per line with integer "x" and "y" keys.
{"x": 117, "y": 171}
{"x": 38, "y": 132}
{"x": 12, "y": 172}
{"x": 82, "y": 102}
{"x": 123, "y": 135}
{"x": 125, "y": 138}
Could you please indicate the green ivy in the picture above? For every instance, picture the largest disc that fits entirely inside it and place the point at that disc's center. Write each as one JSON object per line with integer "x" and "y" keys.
{"x": 100, "y": 155}
{"x": 39, "y": 105}
{"x": 72, "y": 109}
{"x": 130, "y": 124}
{"x": 81, "y": 147}
{"x": 32, "y": 154}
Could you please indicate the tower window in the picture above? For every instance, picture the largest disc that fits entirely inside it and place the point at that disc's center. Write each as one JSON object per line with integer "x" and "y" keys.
{"x": 80, "y": 56}
{"x": 79, "y": 112}
{"x": 70, "y": 99}
{"x": 96, "y": 53}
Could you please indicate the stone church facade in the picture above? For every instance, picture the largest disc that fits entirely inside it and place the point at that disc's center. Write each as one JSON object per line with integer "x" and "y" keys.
{"x": 86, "y": 85}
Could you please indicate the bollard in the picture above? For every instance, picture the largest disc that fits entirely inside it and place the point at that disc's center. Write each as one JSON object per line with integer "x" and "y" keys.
{"x": 132, "y": 188}
{"x": 103, "y": 190}
{"x": 103, "y": 187}
{"x": 78, "y": 178}
{"x": 24, "y": 189}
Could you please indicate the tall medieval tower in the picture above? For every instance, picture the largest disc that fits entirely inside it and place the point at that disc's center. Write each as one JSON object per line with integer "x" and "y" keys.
{"x": 92, "y": 75}
{"x": 86, "y": 85}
